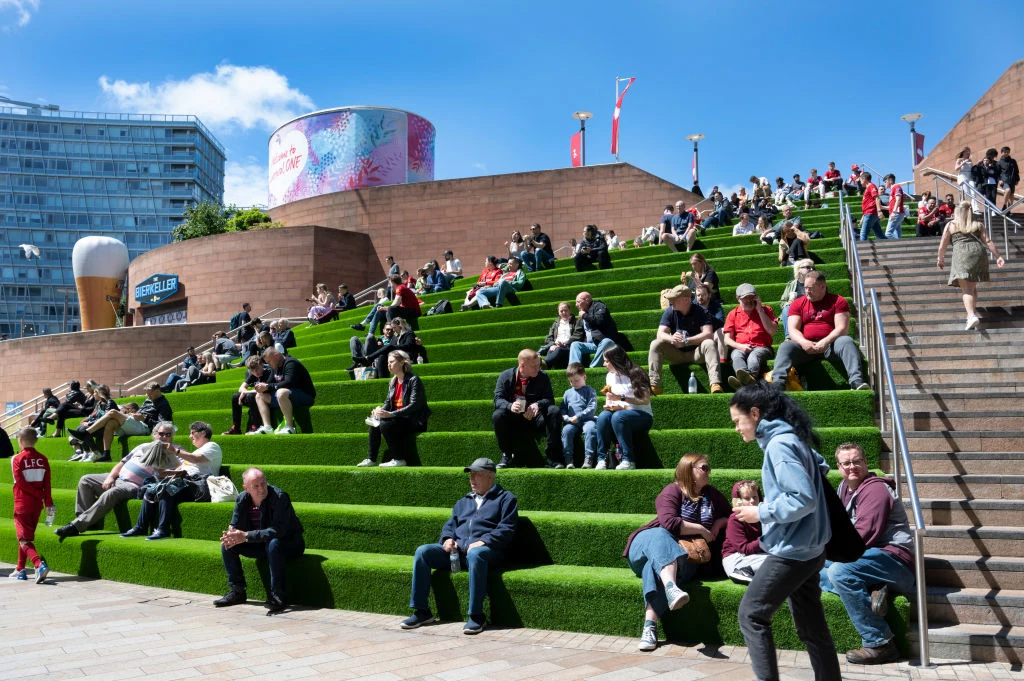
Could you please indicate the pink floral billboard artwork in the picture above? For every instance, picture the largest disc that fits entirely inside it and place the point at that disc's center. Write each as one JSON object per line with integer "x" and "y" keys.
{"x": 347, "y": 149}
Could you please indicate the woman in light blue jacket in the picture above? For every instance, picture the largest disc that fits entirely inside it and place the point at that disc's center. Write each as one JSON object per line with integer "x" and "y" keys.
{"x": 795, "y": 528}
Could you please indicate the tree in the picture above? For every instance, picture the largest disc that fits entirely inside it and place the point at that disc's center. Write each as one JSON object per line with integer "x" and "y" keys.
{"x": 203, "y": 219}
{"x": 249, "y": 218}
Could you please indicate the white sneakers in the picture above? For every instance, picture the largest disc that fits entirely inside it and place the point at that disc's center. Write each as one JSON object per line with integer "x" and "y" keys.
{"x": 394, "y": 463}
{"x": 972, "y": 322}
{"x": 282, "y": 429}
{"x": 601, "y": 465}
{"x": 366, "y": 463}
{"x": 262, "y": 430}
{"x": 648, "y": 639}
{"x": 625, "y": 465}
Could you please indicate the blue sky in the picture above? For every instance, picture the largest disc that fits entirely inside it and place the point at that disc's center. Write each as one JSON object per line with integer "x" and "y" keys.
{"x": 776, "y": 87}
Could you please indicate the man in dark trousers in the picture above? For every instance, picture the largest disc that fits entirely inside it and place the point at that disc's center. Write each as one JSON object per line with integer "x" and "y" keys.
{"x": 264, "y": 525}
{"x": 600, "y": 329}
{"x": 476, "y": 535}
{"x": 239, "y": 320}
{"x": 1009, "y": 176}
{"x": 524, "y": 406}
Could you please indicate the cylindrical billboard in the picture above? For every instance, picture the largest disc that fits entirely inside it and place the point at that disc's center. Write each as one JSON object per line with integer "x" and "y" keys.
{"x": 348, "y": 148}
{"x": 100, "y": 264}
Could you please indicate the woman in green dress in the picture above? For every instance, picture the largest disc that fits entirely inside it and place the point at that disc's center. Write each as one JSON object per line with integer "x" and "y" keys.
{"x": 970, "y": 260}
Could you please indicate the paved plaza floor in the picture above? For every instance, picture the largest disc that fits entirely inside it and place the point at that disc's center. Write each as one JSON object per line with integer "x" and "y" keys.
{"x": 70, "y": 628}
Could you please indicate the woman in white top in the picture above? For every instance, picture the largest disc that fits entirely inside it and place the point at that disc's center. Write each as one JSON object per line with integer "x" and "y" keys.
{"x": 564, "y": 331}
{"x": 627, "y": 408}
{"x": 964, "y": 175}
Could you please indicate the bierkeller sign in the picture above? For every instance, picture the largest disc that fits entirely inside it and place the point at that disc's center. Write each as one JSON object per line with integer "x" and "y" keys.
{"x": 156, "y": 288}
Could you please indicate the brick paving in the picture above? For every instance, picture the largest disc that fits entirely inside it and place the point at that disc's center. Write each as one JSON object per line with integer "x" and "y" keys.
{"x": 74, "y": 628}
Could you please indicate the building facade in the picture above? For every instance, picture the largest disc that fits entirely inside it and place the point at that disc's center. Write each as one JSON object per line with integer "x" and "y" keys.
{"x": 65, "y": 175}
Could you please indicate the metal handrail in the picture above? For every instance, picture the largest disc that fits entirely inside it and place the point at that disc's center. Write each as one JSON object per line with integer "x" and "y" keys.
{"x": 369, "y": 294}
{"x": 872, "y": 336}
{"x": 884, "y": 369}
{"x": 18, "y": 412}
{"x": 133, "y": 383}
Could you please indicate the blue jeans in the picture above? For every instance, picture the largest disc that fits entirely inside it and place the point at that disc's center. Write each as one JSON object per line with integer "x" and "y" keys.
{"x": 376, "y": 317}
{"x": 433, "y": 557}
{"x": 854, "y": 582}
{"x": 894, "y": 230}
{"x": 277, "y": 552}
{"x": 569, "y": 432}
{"x": 777, "y": 580}
{"x": 650, "y": 551}
{"x": 497, "y": 293}
{"x": 577, "y": 349}
{"x": 870, "y": 222}
{"x": 623, "y": 423}
{"x": 717, "y": 219}
{"x": 538, "y": 260}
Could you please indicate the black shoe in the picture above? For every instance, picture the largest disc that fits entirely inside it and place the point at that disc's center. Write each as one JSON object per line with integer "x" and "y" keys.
{"x": 505, "y": 462}
{"x": 104, "y": 457}
{"x": 66, "y": 531}
{"x": 274, "y": 603}
{"x": 358, "y": 327}
{"x": 233, "y": 430}
{"x": 157, "y": 534}
{"x": 232, "y": 597}
{"x": 134, "y": 532}
{"x": 417, "y": 619}
{"x": 474, "y": 625}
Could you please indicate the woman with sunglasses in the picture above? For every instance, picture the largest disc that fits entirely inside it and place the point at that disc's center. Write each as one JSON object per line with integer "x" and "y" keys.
{"x": 795, "y": 528}
{"x": 687, "y": 508}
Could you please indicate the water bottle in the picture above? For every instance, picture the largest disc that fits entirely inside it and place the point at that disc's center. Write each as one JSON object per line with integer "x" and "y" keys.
{"x": 692, "y": 386}
{"x": 51, "y": 515}
{"x": 456, "y": 563}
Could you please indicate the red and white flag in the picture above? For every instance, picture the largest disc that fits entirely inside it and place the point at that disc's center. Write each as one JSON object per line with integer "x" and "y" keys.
{"x": 918, "y": 148}
{"x": 615, "y": 117}
{"x": 576, "y": 149}
{"x": 693, "y": 167}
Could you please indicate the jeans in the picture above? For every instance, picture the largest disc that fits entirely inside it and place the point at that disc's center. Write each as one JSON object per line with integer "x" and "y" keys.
{"x": 569, "y": 433}
{"x": 577, "y": 349}
{"x": 172, "y": 381}
{"x": 649, "y": 552}
{"x": 277, "y": 552}
{"x": 623, "y": 423}
{"x": 557, "y": 357}
{"x": 433, "y": 557}
{"x": 854, "y": 582}
{"x": 784, "y": 320}
{"x": 496, "y": 292}
{"x": 894, "y": 229}
{"x": 538, "y": 260}
{"x": 159, "y": 514}
{"x": 375, "y": 319}
{"x": 753, "y": 362}
{"x": 719, "y": 218}
{"x": 779, "y": 579}
{"x": 842, "y": 351}
{"x": 870, "y": 222}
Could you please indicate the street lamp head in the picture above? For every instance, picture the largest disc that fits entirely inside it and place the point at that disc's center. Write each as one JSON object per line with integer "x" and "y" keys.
{"x": 695, "y": 138}
{"x": 911, "y": 117}
{"x": 583, "y": 115}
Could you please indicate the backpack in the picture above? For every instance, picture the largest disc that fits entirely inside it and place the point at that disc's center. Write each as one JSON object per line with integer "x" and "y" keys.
{"x": 440, "y": 307}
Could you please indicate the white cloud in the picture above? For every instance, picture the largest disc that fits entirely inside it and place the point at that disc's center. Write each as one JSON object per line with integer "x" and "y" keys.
{"x": 480, "y": 166}
{"x": 245, "y": 184}
{"x": 23, "y": 8}
{"x": 242, "y": 96}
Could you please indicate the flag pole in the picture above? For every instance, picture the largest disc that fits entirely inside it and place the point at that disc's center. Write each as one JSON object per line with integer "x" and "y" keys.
{"x": 616, "y": 100}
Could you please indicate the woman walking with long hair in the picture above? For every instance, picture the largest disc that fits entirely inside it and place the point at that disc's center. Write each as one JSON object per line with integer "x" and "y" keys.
{"x": 970, "y": 261}
{"x": 795, "y": 528}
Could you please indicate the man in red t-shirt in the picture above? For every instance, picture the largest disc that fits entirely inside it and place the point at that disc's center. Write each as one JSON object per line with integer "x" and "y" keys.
{"x": 814, "y": 186}
{"x": 928, "y": 218}
{"x": 31, "y": 472}
{"x": 748, "y": 331}
{"x": 897, "y": 212}
{"x": 871, "y": 207}
{"x": 405, "y": 304}
{"x": 852, "y": 184}
{"x": 833, "y": 178}
{"x": 818, "y": 324}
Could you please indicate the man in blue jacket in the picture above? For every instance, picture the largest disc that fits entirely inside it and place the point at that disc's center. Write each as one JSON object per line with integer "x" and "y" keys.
{"x": 481, "y": 527}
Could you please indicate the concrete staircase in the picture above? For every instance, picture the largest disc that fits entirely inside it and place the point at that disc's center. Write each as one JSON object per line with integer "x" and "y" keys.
{"x": 962, "y": 398}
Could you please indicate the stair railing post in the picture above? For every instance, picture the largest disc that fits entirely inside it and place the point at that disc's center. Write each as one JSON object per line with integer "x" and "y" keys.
{"x": 922, "y": 603}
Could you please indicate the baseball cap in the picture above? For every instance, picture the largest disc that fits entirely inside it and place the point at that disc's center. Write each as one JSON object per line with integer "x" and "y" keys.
{"x": 481, "y": 464}
{"x": 677, "y": 292}
{"x": 855, "y": 167}
{"x": 744, "y": 290}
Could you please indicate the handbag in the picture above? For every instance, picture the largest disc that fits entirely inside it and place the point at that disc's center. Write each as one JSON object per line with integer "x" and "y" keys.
{"x": 697, "y": 550}
{"x": 846, "y": 544}
{"x": 365, "y": 373}
{"x": 221, "y": 488}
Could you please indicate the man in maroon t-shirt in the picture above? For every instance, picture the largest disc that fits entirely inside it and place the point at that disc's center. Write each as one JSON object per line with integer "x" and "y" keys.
{"x": 818, "y": 323}
{"x": 405, "y": 303}
{"x": 833, "y": 178}
{"x": 871, "y": 207}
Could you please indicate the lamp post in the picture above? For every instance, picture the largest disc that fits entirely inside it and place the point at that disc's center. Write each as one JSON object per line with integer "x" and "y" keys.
{"x": 912, "y": 118}
{"x": 583, "y": 117}
{"x": 64, "y": 321}
{"x": 696, "y": 182}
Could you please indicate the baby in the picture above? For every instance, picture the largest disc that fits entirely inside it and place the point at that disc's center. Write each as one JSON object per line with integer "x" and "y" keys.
{"x": 741, "y": 552}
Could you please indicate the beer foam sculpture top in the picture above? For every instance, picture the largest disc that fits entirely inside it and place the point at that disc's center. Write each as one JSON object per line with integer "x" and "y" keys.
{"x": 100, "y": 264}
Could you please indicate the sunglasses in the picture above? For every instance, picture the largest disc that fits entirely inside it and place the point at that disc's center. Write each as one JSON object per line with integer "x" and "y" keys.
{"x": 703, "y": 467}
{"x": 164, "y": 433}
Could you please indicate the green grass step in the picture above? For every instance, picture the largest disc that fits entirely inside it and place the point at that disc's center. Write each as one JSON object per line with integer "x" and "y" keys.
{"x": 561, "y": 597}
{"x": 293, "y": 468}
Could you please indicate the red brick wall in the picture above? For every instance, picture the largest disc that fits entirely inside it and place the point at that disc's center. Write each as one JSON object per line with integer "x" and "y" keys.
{"x": 268, "y": 268}
{"x": 108, "y": 356}
{"x": 475, "y": 216}
{"x": 996, "y": 120}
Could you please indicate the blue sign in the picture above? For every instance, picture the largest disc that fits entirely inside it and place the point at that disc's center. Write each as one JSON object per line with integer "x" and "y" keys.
{"x": 156, "y": 288}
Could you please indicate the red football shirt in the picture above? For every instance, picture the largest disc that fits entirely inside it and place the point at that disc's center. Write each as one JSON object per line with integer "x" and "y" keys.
{"x": 867, "y": 204}
{"x": 895, "y": 199}
{"x": 819, "y": 319}
{"x": 408, "y": 298}
{"x": 749, "y": 328}
{"x": 31, "y": 472}
{"x": 832, "y": 175}
{"x": 945, "y": 211}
